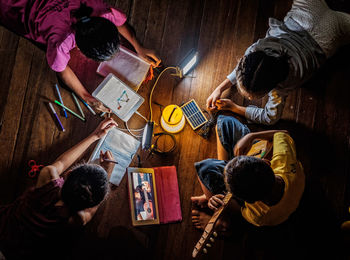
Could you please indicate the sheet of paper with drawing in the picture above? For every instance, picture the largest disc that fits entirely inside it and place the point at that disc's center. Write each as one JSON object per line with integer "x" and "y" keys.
{"x": 123, "y": 148}
{"x": 117, "y": 96}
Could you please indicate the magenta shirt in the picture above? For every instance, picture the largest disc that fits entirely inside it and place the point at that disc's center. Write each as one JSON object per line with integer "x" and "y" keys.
{"x": 49, "y": 22}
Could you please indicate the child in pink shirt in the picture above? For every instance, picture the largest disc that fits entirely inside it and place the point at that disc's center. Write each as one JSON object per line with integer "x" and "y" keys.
{"x": 61, "y": 25}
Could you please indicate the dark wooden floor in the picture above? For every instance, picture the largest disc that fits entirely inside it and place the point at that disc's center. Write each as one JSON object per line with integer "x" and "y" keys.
{"x": 317, "y": 115}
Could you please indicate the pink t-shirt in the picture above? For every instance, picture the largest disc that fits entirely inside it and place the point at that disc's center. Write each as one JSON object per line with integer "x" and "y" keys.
{"x": 49, "y": 23}
{"x": 58, "y": 57}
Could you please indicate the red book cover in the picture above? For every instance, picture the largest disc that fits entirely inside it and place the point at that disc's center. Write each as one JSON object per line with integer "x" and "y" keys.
{"x": 169, "y": 206}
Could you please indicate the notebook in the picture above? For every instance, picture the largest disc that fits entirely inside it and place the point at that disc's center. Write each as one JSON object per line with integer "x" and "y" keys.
{"x": 123, "y": 147}
{"x": 126, "y": 66}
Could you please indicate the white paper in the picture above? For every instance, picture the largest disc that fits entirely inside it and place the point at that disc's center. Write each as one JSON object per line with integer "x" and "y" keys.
{"x": 116, "y": 95}
{"x": 122, "y": 146}
{"x": 127, "y": 66}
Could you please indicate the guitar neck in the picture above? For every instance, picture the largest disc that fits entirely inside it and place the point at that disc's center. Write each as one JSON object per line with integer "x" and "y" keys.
{"x": 209, "y": 228}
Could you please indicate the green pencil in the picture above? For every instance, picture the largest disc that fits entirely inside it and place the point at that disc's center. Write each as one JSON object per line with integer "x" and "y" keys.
{"x": 70, "y": 111}
{"x": 77, "y": 103}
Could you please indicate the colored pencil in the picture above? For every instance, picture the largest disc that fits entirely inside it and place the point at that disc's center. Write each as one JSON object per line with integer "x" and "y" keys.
{"x": 102, "y": 114}
{"x": 70, "y": 111}
{"x": 60, "y": 98}
{"x": 78, "y": 105}
{"x": 87, "y": 105}
{"x": 58, "y": 119}
{"x": 107, "y": 160}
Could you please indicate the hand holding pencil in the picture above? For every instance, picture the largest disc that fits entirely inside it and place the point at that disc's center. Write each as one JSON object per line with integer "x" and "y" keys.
{"x": 107, "y": 161}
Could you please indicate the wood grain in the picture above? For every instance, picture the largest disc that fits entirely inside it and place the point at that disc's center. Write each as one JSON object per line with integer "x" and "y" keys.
{"x": 317, "y": 116}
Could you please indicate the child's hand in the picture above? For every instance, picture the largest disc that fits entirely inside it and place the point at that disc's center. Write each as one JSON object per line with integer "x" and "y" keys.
{"x": 243, "y": 145}
{"x": 108, "y": 166}
{"x": 211, "y": 101}
{"x": 104, "y": 127}
{"x": 216, "y": 201}
{"x": 226, "y": 104}
{"x": 149, "y": 56}
{"x": 97, "y": 105}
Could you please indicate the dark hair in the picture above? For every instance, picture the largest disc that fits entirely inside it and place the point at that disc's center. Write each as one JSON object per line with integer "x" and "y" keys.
{"x": 96, "y": 37}
{"x": 85, "y": 187}
{"x": 260, "y": 72}
{"x": 249, "y": 178}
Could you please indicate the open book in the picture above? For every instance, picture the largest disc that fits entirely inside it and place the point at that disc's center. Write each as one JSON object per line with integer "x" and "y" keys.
{"x": 122, "y": 146}
{"x": 127, "y": 66}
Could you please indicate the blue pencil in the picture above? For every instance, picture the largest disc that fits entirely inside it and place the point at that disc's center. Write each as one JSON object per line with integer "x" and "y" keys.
{"x": 87, "y": 105}
{"x": 60, "y": 98}
{"x": 58, "y": 119}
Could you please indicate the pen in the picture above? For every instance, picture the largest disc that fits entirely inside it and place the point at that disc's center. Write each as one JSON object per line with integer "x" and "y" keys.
{"x": 54, "y": 112}
{"x": 78, "y": 105}
{"x": 87, "y": 105}
{"x": 70, "y": 111}
{"x": 60, "y": 98}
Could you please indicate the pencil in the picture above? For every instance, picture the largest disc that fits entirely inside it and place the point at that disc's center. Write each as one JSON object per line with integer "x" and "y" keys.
{"x": 107, "y": 160}
{"x": 60, "y": 98}
{"x": 58, "y": 119}
{"x": 78, "y": 105}
{"x": 102, "y": 114}
{"x": 70, "y": 111}
{"x": 87, "y": 105}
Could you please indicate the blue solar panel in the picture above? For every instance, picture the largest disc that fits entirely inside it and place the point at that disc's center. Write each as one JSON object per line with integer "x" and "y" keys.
{"x": 193, "y": 114}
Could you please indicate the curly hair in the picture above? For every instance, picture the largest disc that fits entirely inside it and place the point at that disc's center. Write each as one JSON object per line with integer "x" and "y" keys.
{"x": 96, "y": 37}
{"x": 249, "y": 178}
{"x": 261, "y": 71}
{"x": 85, "y": 187}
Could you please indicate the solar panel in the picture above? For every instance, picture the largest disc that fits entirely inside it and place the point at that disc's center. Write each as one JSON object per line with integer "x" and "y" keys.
{"x": 194, "y": 114}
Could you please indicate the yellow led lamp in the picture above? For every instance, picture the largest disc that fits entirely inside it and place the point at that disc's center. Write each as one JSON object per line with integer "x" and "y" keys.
{"x": 173, "y": 119}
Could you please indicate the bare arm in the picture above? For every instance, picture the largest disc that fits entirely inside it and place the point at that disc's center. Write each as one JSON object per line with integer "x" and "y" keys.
{"x": 71, "y": 80}
{"x": 65, "y": 160}
{"x": 245, "y": 143}
{"x": 147, "y": 54}
{"x": 211, "y": 101}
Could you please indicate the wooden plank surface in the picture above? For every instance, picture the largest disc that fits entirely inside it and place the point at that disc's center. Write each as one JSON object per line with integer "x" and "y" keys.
{"x": 317, "y": 115}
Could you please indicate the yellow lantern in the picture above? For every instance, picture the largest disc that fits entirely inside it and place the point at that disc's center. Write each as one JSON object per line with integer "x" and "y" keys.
{"x": 173, "y": 119}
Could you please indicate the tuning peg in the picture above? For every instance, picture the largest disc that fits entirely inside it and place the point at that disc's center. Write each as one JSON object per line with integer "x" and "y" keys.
{"x": 211, "y": 239}
{"x": 205, "y": 250}
{"x": 208, "y": 245}
{"x": 215, "y": 234}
